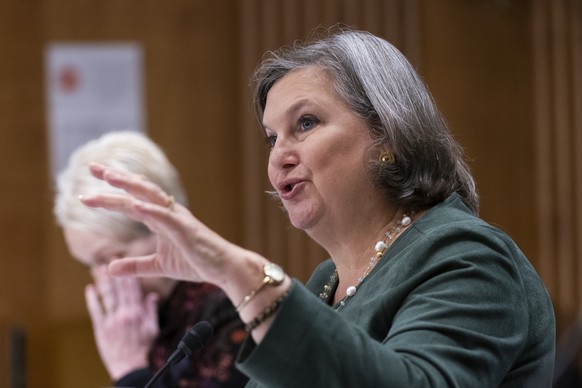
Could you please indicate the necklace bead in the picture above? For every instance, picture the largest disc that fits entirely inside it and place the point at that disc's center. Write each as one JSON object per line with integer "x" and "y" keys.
{"x": 380, "y": 248}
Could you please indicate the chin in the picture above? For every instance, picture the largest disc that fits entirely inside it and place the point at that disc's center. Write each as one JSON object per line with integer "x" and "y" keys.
{"x": 304, "y": 217}
{"x": 302, "y": 223}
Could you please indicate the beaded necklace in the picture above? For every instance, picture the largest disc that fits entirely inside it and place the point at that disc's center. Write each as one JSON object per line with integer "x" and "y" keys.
{"x": 380, "y": 248}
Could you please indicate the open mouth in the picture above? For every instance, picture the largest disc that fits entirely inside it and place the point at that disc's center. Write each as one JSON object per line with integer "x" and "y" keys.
{"x": 288, "y": 189}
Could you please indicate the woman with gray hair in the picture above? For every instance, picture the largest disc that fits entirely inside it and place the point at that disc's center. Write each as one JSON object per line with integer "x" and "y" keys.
{"x": 138, "y": 323}
{"x": 418, "y": 291}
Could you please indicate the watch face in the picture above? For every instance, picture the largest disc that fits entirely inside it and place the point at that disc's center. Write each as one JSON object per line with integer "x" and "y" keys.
{"x": 274, "y": 272}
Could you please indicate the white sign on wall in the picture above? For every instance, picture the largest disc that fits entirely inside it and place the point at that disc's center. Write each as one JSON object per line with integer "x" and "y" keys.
{"x": 92, "y": 88}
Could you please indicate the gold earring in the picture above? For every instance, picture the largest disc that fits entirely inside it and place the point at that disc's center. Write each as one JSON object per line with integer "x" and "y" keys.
{"x": 387, "y": 157}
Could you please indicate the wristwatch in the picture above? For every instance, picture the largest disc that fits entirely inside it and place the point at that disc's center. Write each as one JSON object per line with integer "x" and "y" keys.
{"x": 274, "y": 275}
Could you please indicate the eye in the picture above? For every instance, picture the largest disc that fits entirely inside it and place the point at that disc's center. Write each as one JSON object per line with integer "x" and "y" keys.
{"x": 270, "y": 140}
{"x": 307, "y": 123}
{"x": 101, "y": 260}
{"x": 107, "y": 258}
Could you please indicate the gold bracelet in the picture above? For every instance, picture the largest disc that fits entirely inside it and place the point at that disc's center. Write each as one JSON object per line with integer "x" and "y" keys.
{"x": 274, "y": 276}
{"x": 266, "y": 313}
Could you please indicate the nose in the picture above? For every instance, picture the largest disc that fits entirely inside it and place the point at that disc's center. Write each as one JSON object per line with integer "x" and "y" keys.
{"x": 283, "y": 155}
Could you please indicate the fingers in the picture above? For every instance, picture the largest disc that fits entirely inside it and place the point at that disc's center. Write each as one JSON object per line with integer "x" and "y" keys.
{"x": 136, "y": 185}
{"x": 129, "y": 292}
{"x": 146, "y": 201}
{"x": 158, "y": 219}
{"x": 106, "y": 288}
{"x": 93, "y": 305}
{"x": 144, "y": 197}
{"x": 134, "y": 266}
{"x": 151, "y": 305}
{"x": 110, "y": 294}
{"x": 177, "y": 230}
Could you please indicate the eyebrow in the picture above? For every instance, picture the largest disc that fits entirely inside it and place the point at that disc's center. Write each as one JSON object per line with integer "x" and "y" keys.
{"x": 294, "y": 108}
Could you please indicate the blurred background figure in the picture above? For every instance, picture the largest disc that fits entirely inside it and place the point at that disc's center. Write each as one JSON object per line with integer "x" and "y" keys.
{"x": 137, "y": 323}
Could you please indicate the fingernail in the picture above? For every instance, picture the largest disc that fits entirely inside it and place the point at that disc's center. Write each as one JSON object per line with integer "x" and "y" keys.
{"x": 95, "y": 166}
{"x": 84, "y": 198}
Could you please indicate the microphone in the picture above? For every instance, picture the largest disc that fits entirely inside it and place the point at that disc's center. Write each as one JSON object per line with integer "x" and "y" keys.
{"x": 193, "y": 340}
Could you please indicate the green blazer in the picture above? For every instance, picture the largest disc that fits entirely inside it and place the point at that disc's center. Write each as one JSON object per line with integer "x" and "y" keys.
{"x": 452, "y": 303}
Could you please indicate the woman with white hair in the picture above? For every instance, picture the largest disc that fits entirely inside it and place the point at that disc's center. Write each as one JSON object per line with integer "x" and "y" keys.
{"x": 138, "y": 323}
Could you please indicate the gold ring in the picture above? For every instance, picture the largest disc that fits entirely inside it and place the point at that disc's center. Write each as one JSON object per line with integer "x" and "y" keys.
{"x": 171, "y": 202}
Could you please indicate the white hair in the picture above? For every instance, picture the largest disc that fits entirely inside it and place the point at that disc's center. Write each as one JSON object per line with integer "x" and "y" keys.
{"x": 126, "y": 150}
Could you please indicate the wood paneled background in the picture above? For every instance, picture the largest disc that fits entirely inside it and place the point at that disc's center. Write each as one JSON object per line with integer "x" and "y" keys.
{"x": 506, "y": 74}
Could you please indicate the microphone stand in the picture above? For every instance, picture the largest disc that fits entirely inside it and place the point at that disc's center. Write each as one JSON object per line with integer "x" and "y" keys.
{"x": 193, "y": 340}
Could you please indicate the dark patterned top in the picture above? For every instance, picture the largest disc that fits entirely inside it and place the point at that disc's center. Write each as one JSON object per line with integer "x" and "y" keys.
{"x": 209, "y": 367}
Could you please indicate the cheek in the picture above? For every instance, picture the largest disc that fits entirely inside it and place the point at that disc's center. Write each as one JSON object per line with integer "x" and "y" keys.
{"x": 325, "y": 161}
{"x": 271, "y": 174}
{"x": 86, "y": 262}
{"x": 139, "y": 247}
{"x": 84, "y": 258}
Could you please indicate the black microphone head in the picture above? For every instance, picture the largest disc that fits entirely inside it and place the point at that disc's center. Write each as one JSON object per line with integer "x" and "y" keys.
{"x": 196, "y": 338}
{"x": 193, "y": 340}
{"x": 204, "y": 329}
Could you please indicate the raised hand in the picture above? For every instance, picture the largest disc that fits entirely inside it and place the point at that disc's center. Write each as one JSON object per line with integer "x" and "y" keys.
{"x": 186, "y": 248}
{"x": 124, "y": 323}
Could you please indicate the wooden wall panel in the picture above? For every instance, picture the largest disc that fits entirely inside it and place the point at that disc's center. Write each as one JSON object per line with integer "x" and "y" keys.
{"x": 22, "y": 155}
{"x": 557, "y": 38}
{"x": 22, "y": 176}
{"x": 477, "y": 62}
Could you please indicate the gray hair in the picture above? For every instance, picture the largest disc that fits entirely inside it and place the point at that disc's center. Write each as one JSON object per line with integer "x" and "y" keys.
{"x": 379, "y": 84}
{"x": 125, "y": 150}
